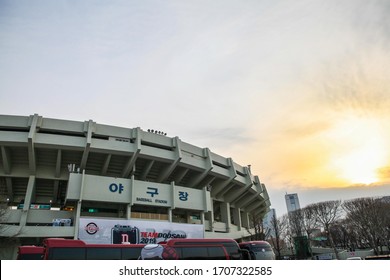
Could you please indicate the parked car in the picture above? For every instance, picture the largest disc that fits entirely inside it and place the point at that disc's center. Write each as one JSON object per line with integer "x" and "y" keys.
{"x": 258, "y": 250}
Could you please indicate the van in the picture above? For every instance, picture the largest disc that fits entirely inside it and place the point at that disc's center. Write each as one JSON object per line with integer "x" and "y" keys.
{"x": 214, "y": 246}
{"x": 30, "y": 252}
{"x": 198, "y": 251}
{"x": 69, "y": 249}
{"x": 258, "y": 250}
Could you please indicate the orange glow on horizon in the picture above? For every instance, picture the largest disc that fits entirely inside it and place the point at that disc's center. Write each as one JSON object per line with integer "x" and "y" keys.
{"x": 353, "y": 151}
{"x": 363, "y": 151}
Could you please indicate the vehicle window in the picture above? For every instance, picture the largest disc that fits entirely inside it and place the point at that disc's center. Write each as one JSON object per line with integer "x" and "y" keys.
{"x": 30, "y": 257}
{"x": 233, "y": 251}
{"x": 216, "y": 253}
{"x": 261, "y": 247}
{"x": 131, "y": 253}
{"x": 179, "y": 252}
{"x": 194, "y": 253}
{"x": 103, "y": 253}
{"x": 67, "y": 253}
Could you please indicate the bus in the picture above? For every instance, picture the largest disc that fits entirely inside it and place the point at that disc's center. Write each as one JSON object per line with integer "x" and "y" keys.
{"x": 70, "y": 249}
{"x": 30, "y": 252}
{"x": 184, "y": 249}
{"x": 258, "y": 250}
{"x": 174, "y": 251}
{"x": 230, "y": 245}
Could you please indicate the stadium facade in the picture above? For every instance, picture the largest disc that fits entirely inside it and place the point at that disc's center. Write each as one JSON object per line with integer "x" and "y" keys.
{"x": 81, "y": 179}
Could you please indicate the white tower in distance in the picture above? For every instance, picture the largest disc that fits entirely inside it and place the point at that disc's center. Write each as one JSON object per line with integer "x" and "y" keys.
{"x": 292, "y": 202}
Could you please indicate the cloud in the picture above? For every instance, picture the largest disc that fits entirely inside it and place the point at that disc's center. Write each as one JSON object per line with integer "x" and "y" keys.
{"x": 384, "y": 173}
{"x": 357, "y": 83}
{"x": 371, "y": 19}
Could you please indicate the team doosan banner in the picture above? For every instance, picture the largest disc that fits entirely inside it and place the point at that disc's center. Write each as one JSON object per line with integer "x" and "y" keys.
{"x": 106, "y": 231}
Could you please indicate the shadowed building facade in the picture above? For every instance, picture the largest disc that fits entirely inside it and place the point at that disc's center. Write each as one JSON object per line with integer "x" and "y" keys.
{"x": 56, "y": 175}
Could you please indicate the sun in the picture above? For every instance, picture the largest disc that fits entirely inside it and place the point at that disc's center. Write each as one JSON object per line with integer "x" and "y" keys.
{"x": 361, "y": 151}
{"x": 360, "y": 166}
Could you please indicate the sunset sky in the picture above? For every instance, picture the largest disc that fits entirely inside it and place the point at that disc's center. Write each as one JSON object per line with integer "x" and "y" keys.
{"x": 299, "y": 90}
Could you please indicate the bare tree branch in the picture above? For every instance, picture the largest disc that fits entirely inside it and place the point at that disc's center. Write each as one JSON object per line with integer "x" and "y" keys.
{"x": 327, "y": 213}
{"x": 371, "y": 219}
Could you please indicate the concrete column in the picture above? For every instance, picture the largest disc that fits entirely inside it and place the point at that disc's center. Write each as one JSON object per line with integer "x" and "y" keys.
{"x": 128, "y": 211}
{"x": 245, "y": 220}
{"x": 237, "y": 217}
{"x": 202, "y": 218}
{"x": 78, "y": 207}
{"x": 170, "y": 215}
{"x": 209, "y": 215}
{"x": 77, "y": 220}
{"x": 225, "y": 214}
{"x": 27, "y": 200}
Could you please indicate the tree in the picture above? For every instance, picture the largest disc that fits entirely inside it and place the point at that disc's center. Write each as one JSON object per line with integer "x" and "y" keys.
{"x": 371, "y": 220}
{"x": 295, "y": 221}
{"x": 297, "y": 234}
{"x": 259, "y": 234}
{"x": 327, "y": 213}
{"x": 309, "y": 223}
{"x": 341, "y": 233}
{"x": 278, "y": 226}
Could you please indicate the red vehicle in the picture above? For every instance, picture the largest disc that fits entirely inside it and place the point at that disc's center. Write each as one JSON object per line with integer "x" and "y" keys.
{"x": 192, "y": 251}
{"x": 184, "y": 252}
{"x": 70, "y": 249}
{"x": 230, "y": 245}
{"x": 30, "y": 252}
{"x": 182, "y": 249}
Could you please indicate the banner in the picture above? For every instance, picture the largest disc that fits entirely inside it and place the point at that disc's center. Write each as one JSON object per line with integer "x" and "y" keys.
{"x": 194, "y": 269}
{"x": 111, "y": 231}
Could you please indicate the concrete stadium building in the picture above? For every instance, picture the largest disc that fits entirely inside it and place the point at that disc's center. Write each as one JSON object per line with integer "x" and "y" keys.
{"x": 72, "y": 179}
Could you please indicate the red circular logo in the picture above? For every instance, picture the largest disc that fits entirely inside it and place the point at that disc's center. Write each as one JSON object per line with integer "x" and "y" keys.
{"x": 91, "y": 228}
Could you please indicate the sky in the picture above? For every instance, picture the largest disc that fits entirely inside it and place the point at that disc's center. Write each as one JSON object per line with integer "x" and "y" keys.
{"x": 298, "y": 90}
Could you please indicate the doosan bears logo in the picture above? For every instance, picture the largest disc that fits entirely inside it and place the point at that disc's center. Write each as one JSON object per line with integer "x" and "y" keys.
{"x": 166, "y": 235}
{"x": 91, "y": 228}
{"x": 152, "y": 237}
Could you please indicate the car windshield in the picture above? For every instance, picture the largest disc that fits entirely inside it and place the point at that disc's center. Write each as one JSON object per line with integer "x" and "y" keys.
{"x": 260, "y": 247}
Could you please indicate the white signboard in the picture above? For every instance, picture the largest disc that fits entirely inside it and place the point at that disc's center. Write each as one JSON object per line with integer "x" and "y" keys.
{"x": 119, "y": 190}
{"x": 187, "y": 198}
{"x": 110, "y": 231}
{"x": 152, "y": 194}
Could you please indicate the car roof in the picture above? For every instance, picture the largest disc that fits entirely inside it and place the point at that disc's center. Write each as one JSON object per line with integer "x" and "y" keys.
{"x": 254, "y": 242}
